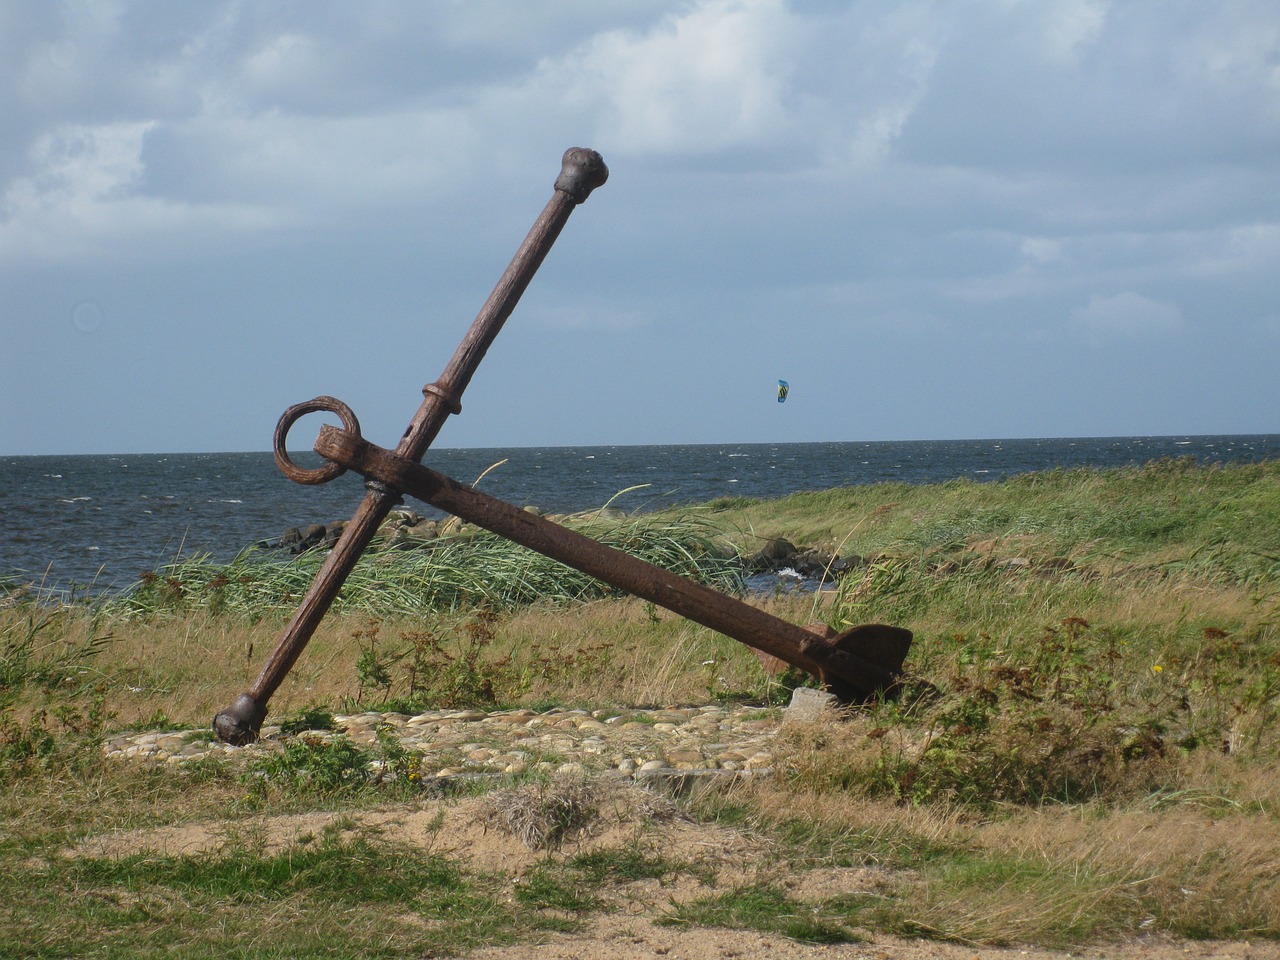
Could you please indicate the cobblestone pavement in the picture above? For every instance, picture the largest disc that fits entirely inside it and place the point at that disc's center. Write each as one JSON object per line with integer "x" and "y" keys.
{"x": 689, "y": 741}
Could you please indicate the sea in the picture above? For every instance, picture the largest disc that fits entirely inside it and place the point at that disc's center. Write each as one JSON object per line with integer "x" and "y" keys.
{"x": 92, "y": 525}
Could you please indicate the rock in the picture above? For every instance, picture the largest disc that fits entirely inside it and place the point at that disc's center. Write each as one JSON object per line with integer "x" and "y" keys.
{"x": 681, "y": 745}
{"x": 842, "y": 565}
{"x": 312, "y": 536}
{"x": 813, "y": 563}
{"x": 808, "y": 705}
{"x": 773, "y": 666}
{"x": 418, "y": 533}
{"x": 774, "y": 554}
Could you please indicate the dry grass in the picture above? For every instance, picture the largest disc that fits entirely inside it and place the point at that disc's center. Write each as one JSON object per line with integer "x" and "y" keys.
{"x": 189, "y": 667}
{"x": 1094, "y": 754}
{"x": 543, "y": 814}
{"x": 1200, "y": 865}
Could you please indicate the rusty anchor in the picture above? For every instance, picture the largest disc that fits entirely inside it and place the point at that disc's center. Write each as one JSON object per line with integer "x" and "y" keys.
{"x": 858, "y": 664}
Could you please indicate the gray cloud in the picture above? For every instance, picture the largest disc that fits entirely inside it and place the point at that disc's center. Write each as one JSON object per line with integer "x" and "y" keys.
{"x": 797, "y": 181}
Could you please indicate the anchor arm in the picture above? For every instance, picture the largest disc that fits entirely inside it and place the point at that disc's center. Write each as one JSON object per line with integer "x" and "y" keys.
{"x": 871, "y": 668}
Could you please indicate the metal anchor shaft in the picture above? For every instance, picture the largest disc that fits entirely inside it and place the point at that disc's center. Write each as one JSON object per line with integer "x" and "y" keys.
{"x": 858, "y": 664}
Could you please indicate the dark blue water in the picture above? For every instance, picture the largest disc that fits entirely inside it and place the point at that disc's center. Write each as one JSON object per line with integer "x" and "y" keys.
{"x": 98, "y": 522}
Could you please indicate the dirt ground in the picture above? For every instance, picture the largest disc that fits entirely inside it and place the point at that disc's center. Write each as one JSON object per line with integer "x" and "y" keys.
{"x": 484, "y": 833}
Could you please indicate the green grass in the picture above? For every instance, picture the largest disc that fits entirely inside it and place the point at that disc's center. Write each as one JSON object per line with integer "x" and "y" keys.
{"x": 350, "y": 896}
{"x": 477, "y": 569}
{"x": 1087, "y": 747}
{"x": 768, "y": 909}
{"x": 1168, "y": 515}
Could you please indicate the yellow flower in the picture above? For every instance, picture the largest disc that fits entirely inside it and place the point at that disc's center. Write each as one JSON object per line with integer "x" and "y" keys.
{"x": 1156, "y": 668}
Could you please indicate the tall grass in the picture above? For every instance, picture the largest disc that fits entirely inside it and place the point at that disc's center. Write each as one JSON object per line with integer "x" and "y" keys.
{"x": 458, "y": 572}
{"x": 1077, "y": 634}
{"x": 1218, "y": 523}
{"x": 1087, "y": 747}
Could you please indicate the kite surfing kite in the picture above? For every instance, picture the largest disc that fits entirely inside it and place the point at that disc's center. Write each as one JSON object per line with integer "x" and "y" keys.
{"x": 783, "y": 388}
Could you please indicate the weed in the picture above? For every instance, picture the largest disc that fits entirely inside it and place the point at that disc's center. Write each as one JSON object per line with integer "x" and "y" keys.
{"x": 1086, "y": 747}
{"x": 767, "y": 908}
{"x": 625, "y": 865}
{"x": 548, "y": 886}
{"x": 36, "y": 650}
{"x": 309, "y": 718}
{"x": 352, "y": 896}
{"x": 315, "y": 766}
{"x": 450, "y": 667}
{"x": 541, "y": 815}
{"x": 446, "y": 574}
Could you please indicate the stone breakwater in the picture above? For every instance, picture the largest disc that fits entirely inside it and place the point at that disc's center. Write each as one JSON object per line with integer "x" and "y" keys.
{"x": 460, "y": 743}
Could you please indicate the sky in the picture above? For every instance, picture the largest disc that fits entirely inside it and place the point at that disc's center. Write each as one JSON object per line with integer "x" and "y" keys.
{"x": 935, "y": 220}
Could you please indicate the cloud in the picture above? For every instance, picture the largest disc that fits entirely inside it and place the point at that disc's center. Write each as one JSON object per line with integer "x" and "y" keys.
{"x": 1004, "y": 174}
{"x": 1126, "y": 316}
{"x": 82, "y": 200}
{"x": 711, "y": 78}
{"x": 1102, "y": 88}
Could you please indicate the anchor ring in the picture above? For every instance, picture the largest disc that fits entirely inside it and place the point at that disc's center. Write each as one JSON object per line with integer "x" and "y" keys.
{"x": 291, "y": 416}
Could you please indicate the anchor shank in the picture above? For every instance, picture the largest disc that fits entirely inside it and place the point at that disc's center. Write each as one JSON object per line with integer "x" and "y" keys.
{"x": 422, "y": 431}
{"x": 447, "y": 391}
{"x": 740, "y": 621}
{"x": 337, "y": 566}
{"x": 581, "y": 172}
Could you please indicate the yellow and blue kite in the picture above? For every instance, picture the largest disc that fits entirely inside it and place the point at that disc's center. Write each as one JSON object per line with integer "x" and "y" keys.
{"x": 783, "y": 388}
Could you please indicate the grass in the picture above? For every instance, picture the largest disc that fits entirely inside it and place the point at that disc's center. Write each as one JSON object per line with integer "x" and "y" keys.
{"x": 1087, "y": 748}
{"x": 335, "y": 895}
{"x": 477, "y": 569}
{"x": 769, "y": 909}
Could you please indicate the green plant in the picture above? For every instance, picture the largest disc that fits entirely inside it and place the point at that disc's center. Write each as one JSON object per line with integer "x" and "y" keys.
{"x": 309, "y": 718}
{"x": 339, "y": 894}
{"x": 315, "y": 765}
{"x": 548, "y": 886}
{"x": 767, "y": 908}
{"x": 625, "y": 865}
{"x": 474, "y": 569}
{"x": 36, "y": 651}
{"x": 451, "y": 666}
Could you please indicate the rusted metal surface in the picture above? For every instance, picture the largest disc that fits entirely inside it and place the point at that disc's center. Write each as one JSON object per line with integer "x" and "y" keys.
{"x": 581, "y": 172}
{"x": 855, "y": 665}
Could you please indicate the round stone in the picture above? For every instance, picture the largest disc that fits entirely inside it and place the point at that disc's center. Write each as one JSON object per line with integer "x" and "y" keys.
{"x": 677, "y": 757}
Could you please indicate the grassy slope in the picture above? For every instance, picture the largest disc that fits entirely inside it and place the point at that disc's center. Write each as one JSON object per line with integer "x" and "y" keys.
{"x": 1089, "y": 750}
